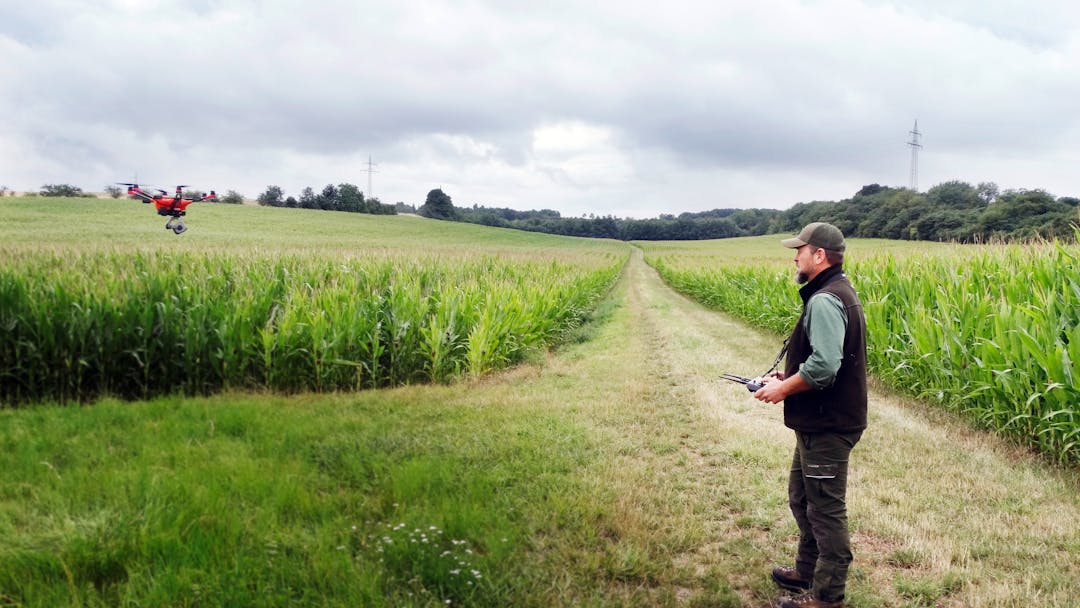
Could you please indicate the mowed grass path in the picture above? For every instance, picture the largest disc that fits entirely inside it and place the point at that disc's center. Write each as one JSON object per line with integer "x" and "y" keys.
{"x": 618, "y": 471}
{"x": 941, "y": 515}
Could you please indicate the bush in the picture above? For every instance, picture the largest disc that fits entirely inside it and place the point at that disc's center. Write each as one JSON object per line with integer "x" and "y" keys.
{"x": 232, "y": 197}
{"x": 61, "y": 190}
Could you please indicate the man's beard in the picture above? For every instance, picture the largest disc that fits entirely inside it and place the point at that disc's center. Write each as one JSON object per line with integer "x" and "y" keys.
{"x": 801, "y": 277}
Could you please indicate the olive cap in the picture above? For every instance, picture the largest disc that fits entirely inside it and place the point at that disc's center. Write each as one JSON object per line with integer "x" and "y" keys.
{"x": 818, "y": 234}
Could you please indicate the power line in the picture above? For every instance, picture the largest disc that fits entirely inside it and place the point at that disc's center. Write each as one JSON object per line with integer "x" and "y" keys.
{"x": 915, "y": 145}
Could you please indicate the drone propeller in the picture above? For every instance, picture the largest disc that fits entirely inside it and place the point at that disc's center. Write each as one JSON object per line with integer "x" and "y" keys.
{"x": 134, "y": 185}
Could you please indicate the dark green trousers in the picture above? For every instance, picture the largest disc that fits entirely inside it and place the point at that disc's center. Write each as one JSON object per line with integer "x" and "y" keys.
{"x": 817, "y": 493}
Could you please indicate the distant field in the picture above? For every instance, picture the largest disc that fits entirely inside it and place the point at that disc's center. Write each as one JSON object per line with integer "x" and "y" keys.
{"x": 992, "y": 331}
{"x": 112, "y": 223}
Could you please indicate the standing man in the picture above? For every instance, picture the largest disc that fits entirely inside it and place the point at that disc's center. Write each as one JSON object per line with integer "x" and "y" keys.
{"x": 823, "y": 388}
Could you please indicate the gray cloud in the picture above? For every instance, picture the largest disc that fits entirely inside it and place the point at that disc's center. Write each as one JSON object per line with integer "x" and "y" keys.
{"x": 770, "y": 103}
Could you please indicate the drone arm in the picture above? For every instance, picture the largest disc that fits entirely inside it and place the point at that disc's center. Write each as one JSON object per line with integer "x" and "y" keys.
{"x": 139, "y": 194}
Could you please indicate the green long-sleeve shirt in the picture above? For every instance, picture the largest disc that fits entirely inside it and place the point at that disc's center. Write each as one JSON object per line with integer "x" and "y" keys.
{"x": 825, "y": 323}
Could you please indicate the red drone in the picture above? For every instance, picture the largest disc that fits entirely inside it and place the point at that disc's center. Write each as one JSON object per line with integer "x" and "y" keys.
{"x": 173, "y": 207}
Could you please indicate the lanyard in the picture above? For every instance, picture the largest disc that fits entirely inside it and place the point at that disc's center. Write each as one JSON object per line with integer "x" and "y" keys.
{"x": 754, "y": 384}
{"x": 779, "y": 356}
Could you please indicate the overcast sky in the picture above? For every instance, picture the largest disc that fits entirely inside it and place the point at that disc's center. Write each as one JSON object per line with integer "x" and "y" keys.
{"x": 627, "y": 108}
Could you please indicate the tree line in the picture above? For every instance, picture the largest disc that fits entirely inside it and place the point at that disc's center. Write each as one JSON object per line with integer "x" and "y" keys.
{"x": 344, "y": 197}
{"x": 951, "y": 211}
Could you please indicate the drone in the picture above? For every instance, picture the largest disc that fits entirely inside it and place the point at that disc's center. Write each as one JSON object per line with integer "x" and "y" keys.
{"x": 173, "y": 207}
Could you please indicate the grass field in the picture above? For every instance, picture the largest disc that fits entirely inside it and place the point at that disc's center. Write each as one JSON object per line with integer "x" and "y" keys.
{"x": 615, "y": 471}
{"x": 94, "y": 224}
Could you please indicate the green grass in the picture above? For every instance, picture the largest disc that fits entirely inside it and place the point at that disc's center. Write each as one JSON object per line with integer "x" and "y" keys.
{"x": 95, "y": 224}
{"x": 383, "y": 499}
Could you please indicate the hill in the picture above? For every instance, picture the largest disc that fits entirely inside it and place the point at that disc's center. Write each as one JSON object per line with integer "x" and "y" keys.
{"x": 120, "y": 223}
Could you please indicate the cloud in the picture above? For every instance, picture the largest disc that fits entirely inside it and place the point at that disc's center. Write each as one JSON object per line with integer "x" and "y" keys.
{"x": 627, "y": 109}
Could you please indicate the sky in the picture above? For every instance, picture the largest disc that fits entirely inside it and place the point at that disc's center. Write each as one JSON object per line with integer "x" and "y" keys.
{"x": 628, "y": 108}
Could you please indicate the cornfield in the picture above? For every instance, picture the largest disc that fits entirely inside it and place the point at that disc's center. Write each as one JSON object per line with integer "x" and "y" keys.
{"x": 75, "y": 326}
{"x": 990, "y": 332}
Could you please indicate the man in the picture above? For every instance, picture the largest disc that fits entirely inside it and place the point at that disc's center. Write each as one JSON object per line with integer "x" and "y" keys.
{"x": 823, "y": 388}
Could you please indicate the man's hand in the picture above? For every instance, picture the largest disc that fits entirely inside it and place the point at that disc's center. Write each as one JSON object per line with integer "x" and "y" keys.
{"x": 777, "y": 388}
{"x": 772, "y": 392}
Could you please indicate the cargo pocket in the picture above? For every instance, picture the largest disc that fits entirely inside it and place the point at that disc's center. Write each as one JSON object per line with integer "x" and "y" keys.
{"x": 820, "y": 471}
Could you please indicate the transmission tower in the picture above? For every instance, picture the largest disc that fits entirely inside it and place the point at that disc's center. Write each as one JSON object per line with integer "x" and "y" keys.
{"x": 370, "y": 169}
{"x": 915, "y": 145}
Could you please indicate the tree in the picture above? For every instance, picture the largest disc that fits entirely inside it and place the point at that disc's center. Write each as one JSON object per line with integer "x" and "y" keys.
{"x": 328, "y": 199}
{"x": 870, "y": 190}
{"x": 438, "y": 206}
{"x": 1026, "y": 214}
{"x": 942, "y": 225}
{"x": 987, "y": 192}
{"x": 307, "y": 199}
{"x": 114, "y": 191}
{"x": 60, "y": 190}
{"x": 954, "y": 195}
{"x": 351, "y": 199}
{"x": 273, "y": 197}
{"x": 379, "y": 208}
{"x": 232, "y": 197}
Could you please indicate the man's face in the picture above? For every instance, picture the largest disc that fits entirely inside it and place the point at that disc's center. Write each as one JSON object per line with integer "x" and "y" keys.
{"x": 806, "y": 263}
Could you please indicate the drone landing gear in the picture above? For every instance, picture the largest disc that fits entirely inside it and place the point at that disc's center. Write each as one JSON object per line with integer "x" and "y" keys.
{"x": 176, "y": 225}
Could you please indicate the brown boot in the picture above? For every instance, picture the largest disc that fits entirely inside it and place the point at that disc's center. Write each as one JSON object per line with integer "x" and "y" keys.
{"x": 788, "y": 578}
{"x": 808, "y": 601}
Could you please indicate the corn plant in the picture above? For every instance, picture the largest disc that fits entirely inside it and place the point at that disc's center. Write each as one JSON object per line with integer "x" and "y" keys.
{"x": 73, "y": 327}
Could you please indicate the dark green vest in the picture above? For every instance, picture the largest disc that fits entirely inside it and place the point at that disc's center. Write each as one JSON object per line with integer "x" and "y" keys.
{"x": 840, "y": 408}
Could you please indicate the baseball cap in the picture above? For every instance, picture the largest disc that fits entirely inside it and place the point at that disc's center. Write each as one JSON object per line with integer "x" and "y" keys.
{"x": 818, "y": 234}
